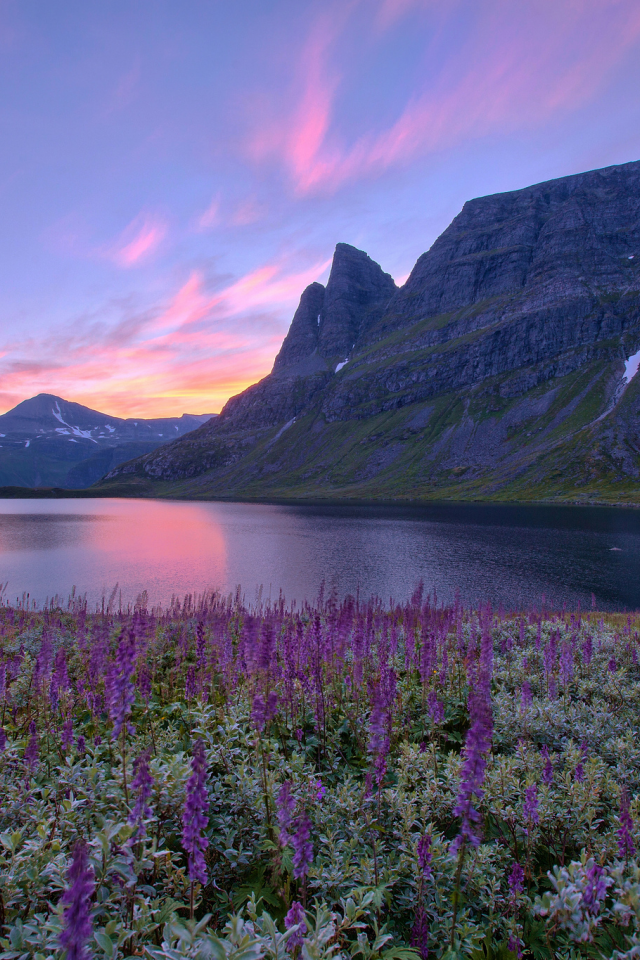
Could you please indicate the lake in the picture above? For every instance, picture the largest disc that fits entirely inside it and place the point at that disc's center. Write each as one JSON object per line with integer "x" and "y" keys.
{"x": 505, "y": 554}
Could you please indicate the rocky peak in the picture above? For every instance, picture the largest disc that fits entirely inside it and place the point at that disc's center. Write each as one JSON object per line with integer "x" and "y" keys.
{"x": 301, "y": 342}
{"x": 356, "y": 295}
{"x": 329, "y": 321}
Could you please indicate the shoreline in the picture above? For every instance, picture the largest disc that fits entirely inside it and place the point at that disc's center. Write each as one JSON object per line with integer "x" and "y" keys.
{"x": 89, "y": 493}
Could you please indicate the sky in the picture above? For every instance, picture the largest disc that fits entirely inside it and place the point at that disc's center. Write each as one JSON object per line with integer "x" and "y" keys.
{"x": 172, "y": 175}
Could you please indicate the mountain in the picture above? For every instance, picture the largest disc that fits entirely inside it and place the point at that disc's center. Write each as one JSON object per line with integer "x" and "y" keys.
{"x": 47, "y": 441}
{"x": 496, "y": 371}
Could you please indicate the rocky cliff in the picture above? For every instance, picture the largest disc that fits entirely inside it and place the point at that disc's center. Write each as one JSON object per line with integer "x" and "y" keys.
{"x": 495, "y": 368}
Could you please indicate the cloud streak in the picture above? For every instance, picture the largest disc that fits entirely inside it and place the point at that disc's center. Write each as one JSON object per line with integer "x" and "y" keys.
{"x": 138, "y": 241}
{"x": 520, "y": 66}
{"x": 188, "y": 355}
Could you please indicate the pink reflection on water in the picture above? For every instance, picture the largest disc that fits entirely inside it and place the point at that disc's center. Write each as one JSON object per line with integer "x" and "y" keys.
{"x": 46, "y": 547}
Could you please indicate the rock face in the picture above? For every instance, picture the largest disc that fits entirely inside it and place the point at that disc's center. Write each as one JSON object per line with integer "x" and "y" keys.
{"x": 48, "y": 441}
{"x": 564, "y": 238}
{"x": 329, "y": 322}
{"x": 324, "y": 329}
{"x": 502, "y": 350}
{"x": 299, "y": 352}
{"x": 356, "y": 296}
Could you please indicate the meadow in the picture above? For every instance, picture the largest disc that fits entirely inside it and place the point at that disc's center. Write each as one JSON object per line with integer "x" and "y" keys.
{"x": 339, "y": 779}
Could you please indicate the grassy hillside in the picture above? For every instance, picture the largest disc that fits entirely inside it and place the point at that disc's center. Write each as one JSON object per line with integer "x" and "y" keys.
{"x": 480, "y": 443}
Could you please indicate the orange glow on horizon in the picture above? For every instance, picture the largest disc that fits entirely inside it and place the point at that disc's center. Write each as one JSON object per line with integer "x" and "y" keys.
{"x": 126, "y": 404}
{"x": 194, "y": 351}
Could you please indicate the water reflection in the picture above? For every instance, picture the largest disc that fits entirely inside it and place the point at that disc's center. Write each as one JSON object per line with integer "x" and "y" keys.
{"x": 37, "y": 531}
{"x": 509, "y": 555}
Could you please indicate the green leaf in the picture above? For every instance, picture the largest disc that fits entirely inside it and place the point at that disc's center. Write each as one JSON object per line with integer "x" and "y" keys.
{"x": 104, "y": 942}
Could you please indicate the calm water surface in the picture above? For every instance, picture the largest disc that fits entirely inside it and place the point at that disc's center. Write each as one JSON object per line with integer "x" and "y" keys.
{"x": 508, "y": 555}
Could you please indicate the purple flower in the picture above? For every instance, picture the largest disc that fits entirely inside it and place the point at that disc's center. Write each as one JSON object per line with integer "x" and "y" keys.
{"x": 436, "y": 708}
{"x": 302, "y": 846}
{"x": 59, "y": 679}
{"x": 200, "y": 645}
{"x": 516, "y": 880}
{"x": 566, "y": 664}
{"x": 31, "y": 753}
{"x": 81, "y": 745}
{"x": 626, "y": 846}
{"x": 547, "y": 773}
{"x": 66, "y": 736}
{"x": 194, "y": 818}
{"x": 142, "y": 785}
{"x": 76, "y": 921}
{"x": 476, "y": 748}
{"x": 530, "y": 805}
{"x": 595, "y": 889}
{"x": 285, "y": 805}
{"x": 121, "y": 689}
{"x": 515, "y": 946}
{"x": 424, "y": 855}
{"x": 296, "y": 917}
{"x": 143, "y": 682}
{"x": 420, "y": 934}
{"x": 526, "y": 695}
{"x": 3, "y": 739}
{"x": 612, "y": 665}
{"x": 264, "y": 710}
{"x": 190, "y": 683}
{"x": 320, "y": 790}
{"x": 378, "y": 738}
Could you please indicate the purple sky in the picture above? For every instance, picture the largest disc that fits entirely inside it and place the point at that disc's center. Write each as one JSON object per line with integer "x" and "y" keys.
{"x": 173, "y": 174}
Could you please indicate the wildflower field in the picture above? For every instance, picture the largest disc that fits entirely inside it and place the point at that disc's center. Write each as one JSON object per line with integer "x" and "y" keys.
{"x": 227, "y": 781}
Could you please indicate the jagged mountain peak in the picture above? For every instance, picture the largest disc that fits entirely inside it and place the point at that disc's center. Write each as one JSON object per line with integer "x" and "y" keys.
{"x": 330, "y": 320}
{"x": 358, "y": 291}
{"x": 301, "y": 342}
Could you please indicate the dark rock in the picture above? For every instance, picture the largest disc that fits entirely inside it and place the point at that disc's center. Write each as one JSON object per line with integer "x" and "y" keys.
{"x": 356, "y": 296}
{"x": 302, "y": 341}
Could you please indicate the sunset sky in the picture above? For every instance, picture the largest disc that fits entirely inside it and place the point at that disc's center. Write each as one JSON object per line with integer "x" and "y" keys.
{"x": 173, "y": 174}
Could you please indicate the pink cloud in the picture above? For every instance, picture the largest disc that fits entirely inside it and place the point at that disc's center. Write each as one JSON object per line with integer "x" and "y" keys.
{"x": 391, "y": 11}
{"x": 124, "y": 91}
{"x": 189, "y": 354}
{"x": 247, "y": 212}
{"x": 209, "y": 217}
{"x": 522, "y": 65}
{"x": 138, "y": 241}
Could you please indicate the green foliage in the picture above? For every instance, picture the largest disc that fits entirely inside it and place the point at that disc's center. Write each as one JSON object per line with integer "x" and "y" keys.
{"x": 364, "y": 890}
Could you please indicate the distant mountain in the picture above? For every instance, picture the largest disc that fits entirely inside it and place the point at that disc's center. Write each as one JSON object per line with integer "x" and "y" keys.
{"x": 501, "y": 369}
{"x": 48, "y": 441}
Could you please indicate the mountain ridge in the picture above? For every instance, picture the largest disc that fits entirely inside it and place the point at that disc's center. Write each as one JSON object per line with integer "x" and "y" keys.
{"x": 48, "y": 441}
{"x": 489, "y": 373}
